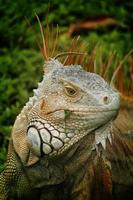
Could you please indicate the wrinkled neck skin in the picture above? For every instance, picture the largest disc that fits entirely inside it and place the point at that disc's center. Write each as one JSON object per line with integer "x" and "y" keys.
{"x": 75, "y": 160}
{"x": 53, "y": 170}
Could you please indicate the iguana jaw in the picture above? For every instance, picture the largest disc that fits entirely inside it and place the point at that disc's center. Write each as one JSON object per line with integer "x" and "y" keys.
{"x": 46, "y": 137}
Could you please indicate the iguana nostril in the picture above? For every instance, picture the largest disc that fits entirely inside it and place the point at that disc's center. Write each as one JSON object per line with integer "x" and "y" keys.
{"x": 106, "y": 99}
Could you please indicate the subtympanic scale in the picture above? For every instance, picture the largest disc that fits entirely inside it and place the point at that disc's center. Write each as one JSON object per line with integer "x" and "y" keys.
{"x": 44, "y": 138}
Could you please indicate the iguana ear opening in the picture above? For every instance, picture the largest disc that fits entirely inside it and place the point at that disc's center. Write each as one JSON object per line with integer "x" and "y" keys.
{"x": 51, "y": 65}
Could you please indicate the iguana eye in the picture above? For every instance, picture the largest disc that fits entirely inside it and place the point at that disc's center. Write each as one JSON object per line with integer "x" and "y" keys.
{"x": 70, "y": 90}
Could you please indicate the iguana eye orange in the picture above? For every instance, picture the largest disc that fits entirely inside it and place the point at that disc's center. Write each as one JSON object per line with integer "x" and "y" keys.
{"x": 70, "y": 91}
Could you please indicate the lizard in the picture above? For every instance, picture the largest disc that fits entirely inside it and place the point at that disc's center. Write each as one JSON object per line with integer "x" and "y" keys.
{"x": 67, "y": 142}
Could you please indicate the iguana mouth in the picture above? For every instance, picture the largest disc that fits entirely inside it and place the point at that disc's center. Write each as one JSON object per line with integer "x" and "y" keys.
{"x": 84, "y": 111}
{"x": 46, "y": 139}
{"x": 95, "y": 111}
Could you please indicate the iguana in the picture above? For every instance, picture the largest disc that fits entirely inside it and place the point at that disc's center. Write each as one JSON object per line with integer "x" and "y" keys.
{"x": 68, "y": 143}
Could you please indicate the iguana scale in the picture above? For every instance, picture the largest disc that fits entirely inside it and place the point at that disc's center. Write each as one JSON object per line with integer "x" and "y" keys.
{"x": 68, "y": 142}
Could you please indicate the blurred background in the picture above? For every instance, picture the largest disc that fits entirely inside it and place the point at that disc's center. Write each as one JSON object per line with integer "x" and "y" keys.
{"x": 108, "y": 23}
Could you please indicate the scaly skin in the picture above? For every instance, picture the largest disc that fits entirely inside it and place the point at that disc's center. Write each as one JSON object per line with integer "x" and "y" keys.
{"x": 60, "y": 137}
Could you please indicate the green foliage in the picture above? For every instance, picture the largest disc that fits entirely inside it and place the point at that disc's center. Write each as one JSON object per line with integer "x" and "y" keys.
{"x": 19, "y": 73}
{"x": 13, "y": 25}
{"x": 111, "y": 41}
{"x": 21, "y": 66}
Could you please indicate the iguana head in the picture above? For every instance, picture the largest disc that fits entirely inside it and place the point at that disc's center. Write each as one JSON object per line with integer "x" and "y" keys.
{"x": 68, "y": 104}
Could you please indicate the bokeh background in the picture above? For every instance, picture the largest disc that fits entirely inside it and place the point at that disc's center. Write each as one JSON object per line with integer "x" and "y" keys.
{"x": 108, "y": 23}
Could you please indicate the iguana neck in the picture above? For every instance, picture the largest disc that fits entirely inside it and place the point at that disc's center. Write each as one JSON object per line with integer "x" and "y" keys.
{"x": 77, "y": 155}
{"x": 59, "y": 167}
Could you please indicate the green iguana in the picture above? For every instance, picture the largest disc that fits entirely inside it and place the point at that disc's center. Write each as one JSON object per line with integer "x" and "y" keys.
{"x": 67, "y": 142}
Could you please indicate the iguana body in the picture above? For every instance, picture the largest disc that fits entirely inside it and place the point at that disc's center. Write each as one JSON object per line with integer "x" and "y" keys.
{"x": 65, "y": 143}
